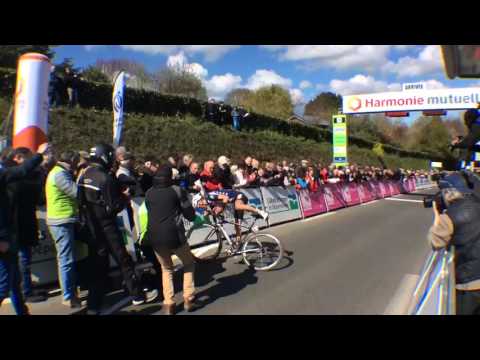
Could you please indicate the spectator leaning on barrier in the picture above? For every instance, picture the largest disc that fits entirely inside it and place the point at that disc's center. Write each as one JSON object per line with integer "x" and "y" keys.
{"x": 222, "y": 172}
{"x": 458, "y": 226}
{"x": 310, "y": 179}
{"x": 207, "y": 178}
{"x": 192, "y": 177}
{"x": 24, "y": 196}
{"x": 167, "y": 204}
{"x": 62, "y": 214}
{"x": 148, "y": 171}
{"x": 9, "y": 272}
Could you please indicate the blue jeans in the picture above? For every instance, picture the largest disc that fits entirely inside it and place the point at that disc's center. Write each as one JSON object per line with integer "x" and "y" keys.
{"x": 10, "y": 283}
{"x": 236, "y": 123}
{"x": 25, "y": 254}
{"x": 63, "y": 236}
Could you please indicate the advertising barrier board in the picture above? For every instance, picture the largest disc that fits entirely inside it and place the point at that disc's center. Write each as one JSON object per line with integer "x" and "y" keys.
{"x": 281, "y": 203}
{"x": 313, "y": 203}
{"x": 350, "y": 194}
{"x": 333, "y": 197}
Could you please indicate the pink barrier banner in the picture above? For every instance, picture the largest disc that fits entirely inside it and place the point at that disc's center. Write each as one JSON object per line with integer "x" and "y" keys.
{"x": 397, "y": 187}
{"x": 387, "y": 189}
{"x": 365, "y": 193}
{"x": 312, "y": 202}
{"x": 350, "y": 194}
{"x": 391, "y": 186}
{"x": 333, "y": 196}
{"x": 413, "y": 186}
{"x": 374, "y": 189}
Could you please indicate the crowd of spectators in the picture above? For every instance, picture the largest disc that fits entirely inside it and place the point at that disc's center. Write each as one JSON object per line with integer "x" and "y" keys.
{"x": 222, "y": 173}
{"x": 54, "y": 182}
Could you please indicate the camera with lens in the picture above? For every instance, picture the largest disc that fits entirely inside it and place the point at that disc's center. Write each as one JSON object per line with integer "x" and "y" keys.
{"x": 437, "y": 198}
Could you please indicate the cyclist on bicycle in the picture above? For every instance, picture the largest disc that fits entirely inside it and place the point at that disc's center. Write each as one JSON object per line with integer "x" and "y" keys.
{"x": 218, "y": 199}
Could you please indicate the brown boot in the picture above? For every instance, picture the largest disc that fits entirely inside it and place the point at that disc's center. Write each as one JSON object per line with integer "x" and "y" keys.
{"x": 190, "y": 305}
{"x": 170, "y": 309}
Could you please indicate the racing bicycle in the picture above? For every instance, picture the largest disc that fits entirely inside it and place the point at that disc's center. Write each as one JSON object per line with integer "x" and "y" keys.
{"x": 260, "y": 251}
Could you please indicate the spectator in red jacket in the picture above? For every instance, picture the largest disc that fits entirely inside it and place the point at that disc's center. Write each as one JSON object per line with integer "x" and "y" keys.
{"x": 324, "y": 175}
{"x": 207, "y": 178}
{"x": 310, "y": 179}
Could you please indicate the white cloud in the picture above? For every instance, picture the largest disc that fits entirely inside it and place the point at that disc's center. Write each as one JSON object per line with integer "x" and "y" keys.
{"x": 219, "y": 85}
{"x": 427, "y": 62}
{"x": 180, "y": 62}
{"x": 360, "y": 84}
{"x": 92, "y": 47}
{"x": 209, "y": 52}
{"x": 434, "y": 84}
{"x": 305, "y": 84}
{"x": 297, "y": 96}
{"x": 367, "y": 57}
{"x": 265, "y": 78}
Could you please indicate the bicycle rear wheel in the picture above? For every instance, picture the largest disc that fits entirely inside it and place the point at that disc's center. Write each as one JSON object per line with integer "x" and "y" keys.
{"x": 262, "y": 251}
{"x": 211, "y": 247}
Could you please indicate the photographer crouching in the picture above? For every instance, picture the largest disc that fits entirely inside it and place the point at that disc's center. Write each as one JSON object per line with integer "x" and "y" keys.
{"x": 456, "y": 222}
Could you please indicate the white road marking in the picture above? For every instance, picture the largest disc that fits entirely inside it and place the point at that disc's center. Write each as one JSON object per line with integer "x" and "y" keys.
{"x": 317, "y": 217}
{"x": 369, "y": 203}
{"x": 406, "y": 200}
{"x": 401, "y": 301}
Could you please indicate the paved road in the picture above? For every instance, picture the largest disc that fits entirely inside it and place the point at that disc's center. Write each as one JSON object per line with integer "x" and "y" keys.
{"x": 351, "y": 261}
{"x": 348, "y": 262}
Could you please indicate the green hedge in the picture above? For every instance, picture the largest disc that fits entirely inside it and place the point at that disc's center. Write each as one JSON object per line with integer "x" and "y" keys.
{"x": 99, "y": 96}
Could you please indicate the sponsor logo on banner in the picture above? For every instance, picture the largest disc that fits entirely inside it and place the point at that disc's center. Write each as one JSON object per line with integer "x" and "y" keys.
{"x": 313, "y": 203}
{"x": 333, "y": 196}
{"x": 412, "y": 100}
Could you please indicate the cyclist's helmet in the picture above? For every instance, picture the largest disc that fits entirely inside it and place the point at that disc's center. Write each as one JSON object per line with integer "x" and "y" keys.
{"x": 103, "y": 154}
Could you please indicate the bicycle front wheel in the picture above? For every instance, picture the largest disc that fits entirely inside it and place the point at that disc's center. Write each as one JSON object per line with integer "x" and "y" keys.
{"x": 262, "y": 251}
{"x": 211, "y": 247}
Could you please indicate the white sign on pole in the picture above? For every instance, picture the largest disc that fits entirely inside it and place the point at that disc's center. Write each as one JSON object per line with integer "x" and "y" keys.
{"x": 414, "y": 86}
{"x": 439, "y": 99}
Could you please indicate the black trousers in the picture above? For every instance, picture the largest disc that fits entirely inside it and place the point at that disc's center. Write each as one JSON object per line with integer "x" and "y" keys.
{"x": 468, "y": 302}
{"x": 108, "y": 242}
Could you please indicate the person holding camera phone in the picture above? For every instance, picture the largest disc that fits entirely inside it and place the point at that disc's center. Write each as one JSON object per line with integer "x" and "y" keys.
{"x": 9, "y": 271}
{"x": 456, "y": 222}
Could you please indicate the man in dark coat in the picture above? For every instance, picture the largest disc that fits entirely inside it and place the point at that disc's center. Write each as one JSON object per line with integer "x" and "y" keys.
{"x": 168, "y": 204}
{"x": 24, "y": 196}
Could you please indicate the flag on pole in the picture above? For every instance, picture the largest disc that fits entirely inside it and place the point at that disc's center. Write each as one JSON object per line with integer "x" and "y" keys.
{"x": 118, "y": 96}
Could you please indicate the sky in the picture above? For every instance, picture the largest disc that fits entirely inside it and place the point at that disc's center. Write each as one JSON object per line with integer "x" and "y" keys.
{"x": 304, "y": 70}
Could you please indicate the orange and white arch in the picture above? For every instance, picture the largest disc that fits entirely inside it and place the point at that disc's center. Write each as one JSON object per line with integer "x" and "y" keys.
{"x": 31, "y": 101}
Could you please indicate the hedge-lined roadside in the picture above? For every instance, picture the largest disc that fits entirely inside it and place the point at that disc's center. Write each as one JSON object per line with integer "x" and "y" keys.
{"x": 149, "y": 135}
{"x": 99, "y": 96}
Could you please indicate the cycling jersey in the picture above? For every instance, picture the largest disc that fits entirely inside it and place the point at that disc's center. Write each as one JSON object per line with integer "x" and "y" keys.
{"x": 232, "y": 195}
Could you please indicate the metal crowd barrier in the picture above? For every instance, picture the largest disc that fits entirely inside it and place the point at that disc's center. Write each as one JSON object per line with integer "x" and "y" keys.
{"x": 435, "y": 290}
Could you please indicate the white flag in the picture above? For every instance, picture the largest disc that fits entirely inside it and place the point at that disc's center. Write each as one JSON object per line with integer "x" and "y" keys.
{"x": 117, "y": 102}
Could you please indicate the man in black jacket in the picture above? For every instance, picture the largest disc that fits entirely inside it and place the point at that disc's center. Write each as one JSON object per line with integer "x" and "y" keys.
{"x": 9, "y": 272}
{"x": 168, "y": 204}
{"x": 24, "y": 196}
{"x": 458, "y": 225}
{"x": 100, "y": 202}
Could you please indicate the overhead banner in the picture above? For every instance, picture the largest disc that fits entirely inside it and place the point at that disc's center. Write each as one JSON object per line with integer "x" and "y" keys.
{"x": 340, "y": 140}
{"x": 413, "y": 100}
{"x": 117, "y": 102}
